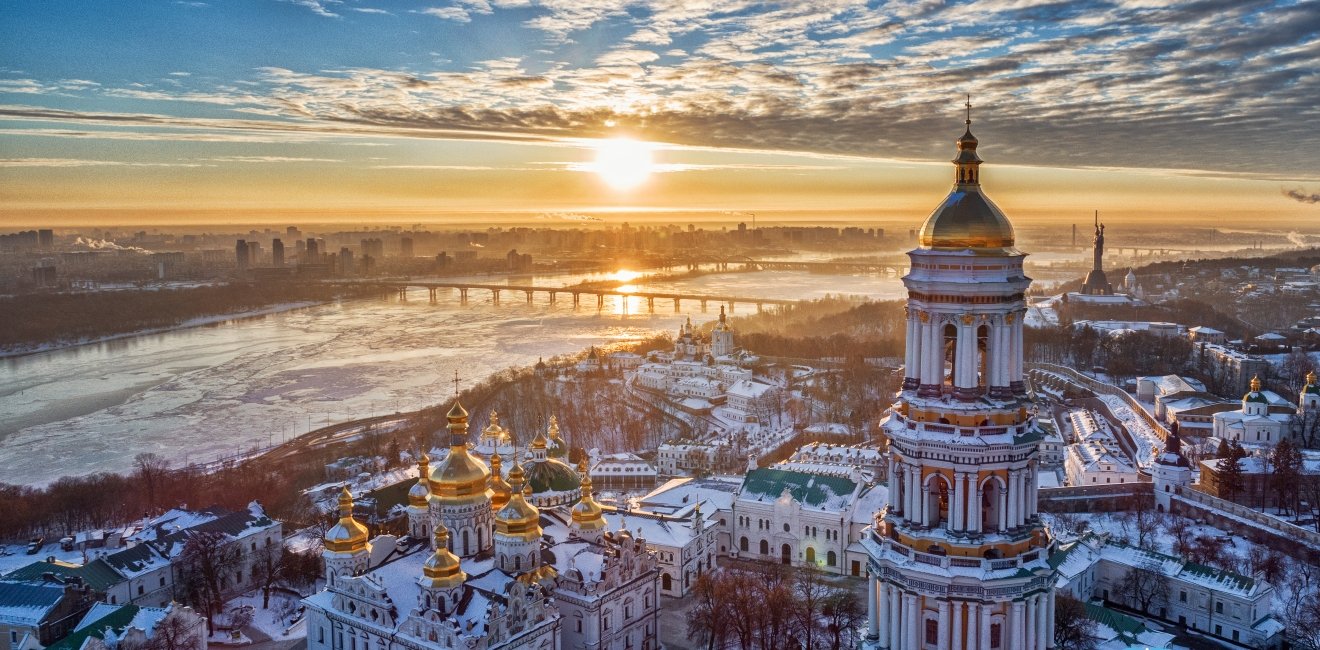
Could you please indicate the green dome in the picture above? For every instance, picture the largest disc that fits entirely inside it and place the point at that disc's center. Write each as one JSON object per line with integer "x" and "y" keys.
{"x": 551, "y": 475}
{"x": 1255, "y": 397}
{"x": 1311, "y": 388}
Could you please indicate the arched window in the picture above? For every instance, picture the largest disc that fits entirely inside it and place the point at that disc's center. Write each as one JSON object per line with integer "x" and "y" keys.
{"x": 765, "y": 547}
{"x": 811, "y": 555}
{"x": 517, "y": 563}
{"x": 831, "y": 559}
{"x": 666, "y": 582}
{"x": 742, "y": 544}
{"x": 465, "y": 541}
{"x": 786, "y": 554}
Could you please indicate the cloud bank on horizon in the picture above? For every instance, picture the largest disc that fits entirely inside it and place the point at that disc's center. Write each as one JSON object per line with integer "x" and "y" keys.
{"x": 1209, "y": 86}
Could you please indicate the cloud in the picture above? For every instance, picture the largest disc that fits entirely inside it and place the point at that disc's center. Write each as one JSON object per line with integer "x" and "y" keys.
{"x": 78, "y": 162}
{"x": 456, "y": 14}
{"x": 316, "y": 6}
{"x": 1299, "y": 195}
{"x": 270, "y": 159}
{"x": 370, "y": 10}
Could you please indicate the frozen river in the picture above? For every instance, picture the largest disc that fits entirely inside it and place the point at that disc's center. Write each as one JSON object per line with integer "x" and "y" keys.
{"x": 205, "y": 392}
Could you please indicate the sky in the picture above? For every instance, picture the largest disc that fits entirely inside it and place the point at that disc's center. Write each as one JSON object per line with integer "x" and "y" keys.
{"x": 482, "y": 110}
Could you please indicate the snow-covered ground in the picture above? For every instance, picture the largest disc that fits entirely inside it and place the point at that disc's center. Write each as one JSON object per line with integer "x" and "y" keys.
{"x": 1148, "y": 442}
{"x": 277, "y": 622}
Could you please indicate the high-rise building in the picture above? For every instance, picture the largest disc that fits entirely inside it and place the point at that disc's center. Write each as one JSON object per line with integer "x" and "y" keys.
{"x": 241, "y": 255}
{"x": 276, "y": 252}
{"x": 345, "y": 261}
{"x": 313, "y": 251}
{"x": 959, "y": 556}
{"x": 45, "y": 239}
{"x": 406, "y": 247}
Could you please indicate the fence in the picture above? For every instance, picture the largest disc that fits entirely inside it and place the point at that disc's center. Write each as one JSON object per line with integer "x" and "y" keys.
{"x": 1097, "y": 498}
{"x": 1097, "y": 386}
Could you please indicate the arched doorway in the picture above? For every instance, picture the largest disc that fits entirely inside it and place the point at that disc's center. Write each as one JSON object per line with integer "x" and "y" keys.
{"x": 742, "y": 544}
{"x": 937, "y": 500}
{"x": 785, "y": 554}
{"x": 950, "y": 355}
{"x": 666, "y": 583}
{"x": 811, "y": 555}
{"x": 765, "y": 547}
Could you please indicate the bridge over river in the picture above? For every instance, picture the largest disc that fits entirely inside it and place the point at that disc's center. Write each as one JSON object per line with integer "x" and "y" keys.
{"x": 576, "y": 293}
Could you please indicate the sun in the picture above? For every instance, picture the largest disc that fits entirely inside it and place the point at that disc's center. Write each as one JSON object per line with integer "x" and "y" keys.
{"x": 623, "y": 163}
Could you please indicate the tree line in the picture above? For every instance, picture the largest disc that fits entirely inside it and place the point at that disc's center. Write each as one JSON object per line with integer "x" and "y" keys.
{"x": 43, "y": 318}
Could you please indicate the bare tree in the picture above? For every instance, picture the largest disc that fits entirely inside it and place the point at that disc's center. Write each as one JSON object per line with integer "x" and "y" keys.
{"x": 1145, "y": 588}
{"x": 172, "y": 633}
{"x": 809, "y": 594}
{"x": 843, "y": 616}
{"x": 1073, "y": 629}
{"x": 268, "y": 568}
{"x": 708, "y": 618}
{"x": 206, "y": 563}
{"x": 151, "y": 469}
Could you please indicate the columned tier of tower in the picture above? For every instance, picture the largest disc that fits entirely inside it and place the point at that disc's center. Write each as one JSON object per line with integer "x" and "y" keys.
{"x": 964, "y": 323}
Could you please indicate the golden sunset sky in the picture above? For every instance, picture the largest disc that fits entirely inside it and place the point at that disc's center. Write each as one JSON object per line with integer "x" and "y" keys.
{"x": 477, "y": 111}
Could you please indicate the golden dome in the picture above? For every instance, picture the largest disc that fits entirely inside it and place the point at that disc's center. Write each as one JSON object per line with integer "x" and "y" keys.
{"x": 442, "y": 570}
{"x": 499, "y": 488}
{"x": 493, "y": 430}
{"x": 518, "y": 518}
{"x": 539, "y": 442}
{"x": 349, "y": 535}
{"x": 421, "y": 491}
{"x": 461, "y": 478}
{"x": 587, "y": 514}
{"x": 967, "y": 218}
{"x": 1310, "y": 378}
{"x": 1255, "y": 384}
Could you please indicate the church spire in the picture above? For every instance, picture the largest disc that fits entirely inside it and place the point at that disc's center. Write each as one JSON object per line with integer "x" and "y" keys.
{"x": 967, "y": 165}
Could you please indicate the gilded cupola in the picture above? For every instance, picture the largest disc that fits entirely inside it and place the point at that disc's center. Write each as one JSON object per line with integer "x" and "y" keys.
{"x": 967, "y": 218}
{"x": 442, "y": 570}
{"x": 518, "y": 518}
{"x": 587, "y": 514}
{"x": 499, "y": 488}
{"x": 461, "y": 478}
{"x": 421, "y": 491}
{"x": 348, "y": 535}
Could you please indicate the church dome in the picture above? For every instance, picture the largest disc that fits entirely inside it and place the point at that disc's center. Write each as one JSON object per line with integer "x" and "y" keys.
{"x": 500, "y": 491}
{"x": 518, "y": 518}
{"x": 1255, "y": 394}
{"x": 1311, "y": 386}
{"x": 551, "y": 475}
{"x": 421, "y": 491}
{"x": 967, "y": 218}
{"x": 461, "y": 477}
{"x": 555, "y": 445}
{"x": 349, "y": 535}
{"x": 442, "y": 570}
{"x": 587, "y": 514}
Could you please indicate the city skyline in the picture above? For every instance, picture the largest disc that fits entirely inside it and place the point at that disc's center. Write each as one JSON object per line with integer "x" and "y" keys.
{"x": 311, "y": 111}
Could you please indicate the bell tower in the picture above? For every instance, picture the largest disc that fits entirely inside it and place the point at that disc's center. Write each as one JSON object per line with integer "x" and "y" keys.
{"x": 958, "y": 556}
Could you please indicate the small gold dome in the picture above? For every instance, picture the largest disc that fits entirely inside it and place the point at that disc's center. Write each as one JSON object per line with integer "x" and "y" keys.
{"x": 349, "y": 535}
{"x": 461, "y": 478}
{"x": 587, "y": 514}
{"x": 967, "y": 218}
{"x": 1310, "y": 378}
{"x": 421, "y": 491}
{"x": 539, "y": 442}
{"x": 442, "y": 570}
{"x": 499, "y": 488}
{"x": 1255, "y": 384}
{"x": 518, "y": 518}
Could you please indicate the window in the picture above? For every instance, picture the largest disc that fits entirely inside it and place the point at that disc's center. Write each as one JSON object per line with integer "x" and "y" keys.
{"x": 579, "y": 626}
{"x": 162, "y": 581}
{"x": 1182, "y": 596}
{"x": 140, "y": 590}
{"x": 786, "y": 528}
{"x": 1219, "y": 630}
{"x": 831, "y": 559}
{"x": 932, "y": 631}
{"x": 1219, "y": 607}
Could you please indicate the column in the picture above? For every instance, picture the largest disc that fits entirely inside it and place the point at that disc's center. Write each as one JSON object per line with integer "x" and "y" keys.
{"x": 1018, "y": 637}
{"x": 1044, "y": 627}
{"x": 1032, "y": 610}
{"x": 973, "y": 626}
{"x": 882, "y": 617}
{"x": 872, "y": 610}
{"x": 955, "y": 499}
{"x": 964, "y": 370}
{"x": 985, "y": 627}
{"x": 974, "y": 507}
{"x": 998, "y": 361}
{"x": 956, "y": 625}
{"x": 930, "y": 353}
{"x": 1012, "y": 497}
{"x": 1022, "y": 497}
{"x": 910, "y": 511}
{"x": 925, "y": 504}
{"x": 1049, "y": 619}
{"x": 1015, "y": 354}
{"x": 912, "y": 622}
{"x": 895, "y": 618}
{"x": 910, "y": 347}
{"x": 1003, "y": 507}
{"x": 890, "y": 478}
{"x": 942, "y": 641}
{"x": 1033, "y": 491}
